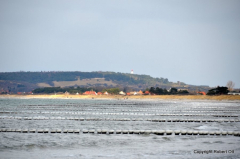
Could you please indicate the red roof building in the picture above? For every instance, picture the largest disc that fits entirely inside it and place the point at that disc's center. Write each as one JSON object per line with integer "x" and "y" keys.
{"x": 99, "y": 93}
{"x": 147, "y": 93}
{"x": 90, "y": 93}
{"x": 140, "y": 92}
{"x": 202, "y": 93}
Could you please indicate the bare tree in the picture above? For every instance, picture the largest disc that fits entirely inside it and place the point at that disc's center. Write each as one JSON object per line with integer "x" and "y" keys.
{"x": 230, "y": 85}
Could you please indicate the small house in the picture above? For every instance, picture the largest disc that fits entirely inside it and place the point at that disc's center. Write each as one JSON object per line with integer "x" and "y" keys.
{"x": 147, "y": 93}
{"x": 99, "y": 93}
{"x": 140, "y": 92}
{"x": 90, "y": 93}
{"x": 67, "y": 93}
{"x": 122, "y": 93}
{"x": 105, "y": 93}
{"x": 133, "y": 93}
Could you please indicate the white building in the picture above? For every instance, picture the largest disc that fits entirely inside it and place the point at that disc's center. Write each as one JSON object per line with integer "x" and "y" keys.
{"x": 233, "y": 93}
{"x": 122, "y": 93}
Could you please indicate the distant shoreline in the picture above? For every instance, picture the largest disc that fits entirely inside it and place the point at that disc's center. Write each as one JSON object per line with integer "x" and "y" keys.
{"x": 160, "y": 97}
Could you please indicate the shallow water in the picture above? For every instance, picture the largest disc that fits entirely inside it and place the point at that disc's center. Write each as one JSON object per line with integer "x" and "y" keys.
{"x": 36, "y": 145}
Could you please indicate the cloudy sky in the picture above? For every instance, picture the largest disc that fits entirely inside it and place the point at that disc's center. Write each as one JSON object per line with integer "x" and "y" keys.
{"x": 193, "y": 41}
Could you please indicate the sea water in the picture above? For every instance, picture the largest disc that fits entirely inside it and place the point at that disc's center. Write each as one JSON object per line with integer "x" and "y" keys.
{"x": 108, "y": 114}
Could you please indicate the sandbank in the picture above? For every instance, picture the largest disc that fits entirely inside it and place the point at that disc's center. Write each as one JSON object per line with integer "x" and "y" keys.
{"x": 160, "y": 97}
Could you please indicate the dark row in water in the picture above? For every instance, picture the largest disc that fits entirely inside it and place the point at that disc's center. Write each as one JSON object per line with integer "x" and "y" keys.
{"x": 91, "y": 113}
{"x": 125, "y": 110}
{"x": 103, "y": 131}
{"x": 119, "y": 119}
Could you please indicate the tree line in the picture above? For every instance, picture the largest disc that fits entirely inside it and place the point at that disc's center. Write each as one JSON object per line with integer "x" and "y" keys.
{"x": 160, "y": 91}
{"x": 111, "y": 90}
{"x": 218, "y": 91}
{"x": 72, "y": 90}
{"x": 152, "y": 90}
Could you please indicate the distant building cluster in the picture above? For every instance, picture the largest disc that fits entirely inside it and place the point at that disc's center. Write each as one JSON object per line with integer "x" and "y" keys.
{"x": 233, "y": 93}
{"x": 120, "y": 93}
{"x": 2, "y": 91}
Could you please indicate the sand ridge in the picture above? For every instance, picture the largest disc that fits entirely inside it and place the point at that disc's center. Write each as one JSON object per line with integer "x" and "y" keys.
{"x": 167, "y": 97}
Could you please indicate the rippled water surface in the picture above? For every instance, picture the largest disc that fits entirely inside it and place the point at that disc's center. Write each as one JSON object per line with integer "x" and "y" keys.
{"x": 66, "y": 114}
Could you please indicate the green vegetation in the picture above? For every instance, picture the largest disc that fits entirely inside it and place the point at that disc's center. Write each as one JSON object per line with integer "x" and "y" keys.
{"x": 112, "y": 90}
{"x": 183, "y": 92}
{"x": 27, "y": 81}
{"x": 48, "y": 90}
{"x": 49, "y": 77}
{"x": 218, "y": 91}
{"x": 20, "y": 85}
{"x": 160, "y": 91}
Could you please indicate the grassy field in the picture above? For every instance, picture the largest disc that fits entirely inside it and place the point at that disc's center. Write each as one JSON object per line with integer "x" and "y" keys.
{"x": 78, "y": 82}
{"x": 167, "y": 97}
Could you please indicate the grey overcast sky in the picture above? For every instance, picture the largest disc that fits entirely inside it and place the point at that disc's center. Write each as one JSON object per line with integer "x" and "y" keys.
{"x": 193, "y": 41}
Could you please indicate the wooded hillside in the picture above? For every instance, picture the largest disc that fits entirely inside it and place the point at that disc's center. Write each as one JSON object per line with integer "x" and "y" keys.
{"x": 27, "y": 81}
{"x": 49, "y": 77}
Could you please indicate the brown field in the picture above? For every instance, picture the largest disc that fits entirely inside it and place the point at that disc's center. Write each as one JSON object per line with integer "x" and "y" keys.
{"x": 167, "y": 97}
{"x": 79, "y": 82}
{"x": 43, "y": 85}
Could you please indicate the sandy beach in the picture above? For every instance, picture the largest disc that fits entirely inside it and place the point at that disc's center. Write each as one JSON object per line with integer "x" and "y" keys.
{"x": 168, "y": 97}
